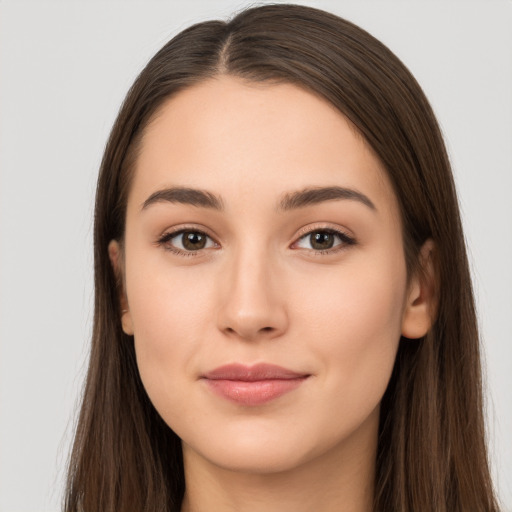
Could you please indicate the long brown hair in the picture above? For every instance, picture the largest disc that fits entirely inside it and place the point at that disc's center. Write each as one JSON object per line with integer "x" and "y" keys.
{"x": 431, "y": 449}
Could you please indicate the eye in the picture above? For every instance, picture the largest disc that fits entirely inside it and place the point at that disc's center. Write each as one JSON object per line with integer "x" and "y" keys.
{"x": 186, "y": 241}
{"x": 324, "y": 240}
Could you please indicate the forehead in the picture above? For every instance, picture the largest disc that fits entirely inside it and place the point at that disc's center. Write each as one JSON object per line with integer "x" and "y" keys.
{"x": 239, "y": 138}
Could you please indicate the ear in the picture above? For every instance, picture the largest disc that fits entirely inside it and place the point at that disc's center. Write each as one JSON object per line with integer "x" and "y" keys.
{"x": 421, "y": 305}
{"x": 116, "y": 260}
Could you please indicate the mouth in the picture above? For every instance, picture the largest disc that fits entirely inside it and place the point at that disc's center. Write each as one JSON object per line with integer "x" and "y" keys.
{"x": 253, "y": 385}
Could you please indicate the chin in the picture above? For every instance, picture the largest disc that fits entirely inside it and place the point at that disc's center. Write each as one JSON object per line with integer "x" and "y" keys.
{"x": 259, "y": 451}
{"x": 261, "y": 459}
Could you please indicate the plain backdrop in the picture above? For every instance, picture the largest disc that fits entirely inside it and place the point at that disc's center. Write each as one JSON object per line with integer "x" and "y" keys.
{"x": 64, "y": 70}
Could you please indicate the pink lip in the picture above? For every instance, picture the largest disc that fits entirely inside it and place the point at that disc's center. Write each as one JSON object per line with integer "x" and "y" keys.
{"x": 253, "y": 385}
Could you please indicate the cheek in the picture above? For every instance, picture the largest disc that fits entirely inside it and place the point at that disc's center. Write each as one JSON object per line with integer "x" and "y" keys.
{"x": 355, "y": 320}
{"x": 165, "y": 300}
{"x": 169, "y": 313}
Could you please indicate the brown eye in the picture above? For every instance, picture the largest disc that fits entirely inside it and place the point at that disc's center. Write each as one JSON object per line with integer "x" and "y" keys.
{"x": 193, "y": 240}
{"x": 186, "y": 241}
{"x": 321, "y": 240}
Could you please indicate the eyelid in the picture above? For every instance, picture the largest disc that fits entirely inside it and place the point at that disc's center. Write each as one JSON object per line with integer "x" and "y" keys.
{"x": 346, "y": 238}
{"x": 323, "y": 226}
{"x": 167, "y": 235}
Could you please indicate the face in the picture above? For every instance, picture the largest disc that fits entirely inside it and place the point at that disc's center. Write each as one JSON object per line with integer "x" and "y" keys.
{"x": 264, "y": 275}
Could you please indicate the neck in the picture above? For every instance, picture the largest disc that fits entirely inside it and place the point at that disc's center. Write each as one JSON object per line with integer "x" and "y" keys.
{"x": 341, "y": 480}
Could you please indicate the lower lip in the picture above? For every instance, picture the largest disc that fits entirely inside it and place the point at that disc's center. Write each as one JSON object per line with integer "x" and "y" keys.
{"x": 255, "y": 392}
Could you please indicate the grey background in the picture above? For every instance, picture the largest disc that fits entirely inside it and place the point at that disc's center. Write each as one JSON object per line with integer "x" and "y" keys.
{"x": 64, "y": 69}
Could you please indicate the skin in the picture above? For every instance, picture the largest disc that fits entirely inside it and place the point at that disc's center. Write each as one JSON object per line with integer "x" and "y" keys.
{"x": 260, "y": 292}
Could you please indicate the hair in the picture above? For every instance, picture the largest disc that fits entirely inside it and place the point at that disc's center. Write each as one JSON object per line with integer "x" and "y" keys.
{"x": 431, "y": 452}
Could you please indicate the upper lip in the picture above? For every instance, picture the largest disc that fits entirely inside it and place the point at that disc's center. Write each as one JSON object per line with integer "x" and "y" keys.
{"x": 257, "y": 372}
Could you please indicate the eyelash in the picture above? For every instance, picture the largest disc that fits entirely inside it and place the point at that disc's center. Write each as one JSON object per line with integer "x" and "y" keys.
{"x": 165, "y": 239}
{"x": 345, "y": 240}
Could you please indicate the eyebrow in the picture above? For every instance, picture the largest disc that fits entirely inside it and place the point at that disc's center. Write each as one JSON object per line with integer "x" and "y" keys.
{"x": 184, "y": 195}
{"x": 310, "y": 196}
{"x": 290, "y": 201}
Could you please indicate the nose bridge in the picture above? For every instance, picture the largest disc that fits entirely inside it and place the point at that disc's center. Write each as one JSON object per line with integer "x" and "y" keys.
{"x": 253, "y": 304}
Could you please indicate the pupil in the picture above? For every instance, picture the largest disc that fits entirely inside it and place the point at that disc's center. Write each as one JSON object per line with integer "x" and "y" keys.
{"x": 322, "y": 240}
{"x": 193, "y": 241}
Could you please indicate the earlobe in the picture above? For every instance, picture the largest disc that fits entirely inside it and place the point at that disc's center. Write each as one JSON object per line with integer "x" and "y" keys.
{"x": 421, "y": 304}
{"x": 115, "y": 256}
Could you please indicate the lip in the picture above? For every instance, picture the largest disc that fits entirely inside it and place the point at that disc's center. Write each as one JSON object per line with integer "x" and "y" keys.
{"x": 253, "y": 385}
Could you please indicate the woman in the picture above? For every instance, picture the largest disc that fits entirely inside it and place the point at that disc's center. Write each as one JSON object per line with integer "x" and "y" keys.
{"x": 284, "y": 317}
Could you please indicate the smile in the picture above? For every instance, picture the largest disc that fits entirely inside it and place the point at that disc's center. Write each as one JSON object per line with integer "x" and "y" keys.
{"x": 253, "y": 385}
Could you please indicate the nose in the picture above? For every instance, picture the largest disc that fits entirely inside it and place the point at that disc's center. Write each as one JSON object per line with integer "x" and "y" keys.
{"x": 252, "y": 305}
